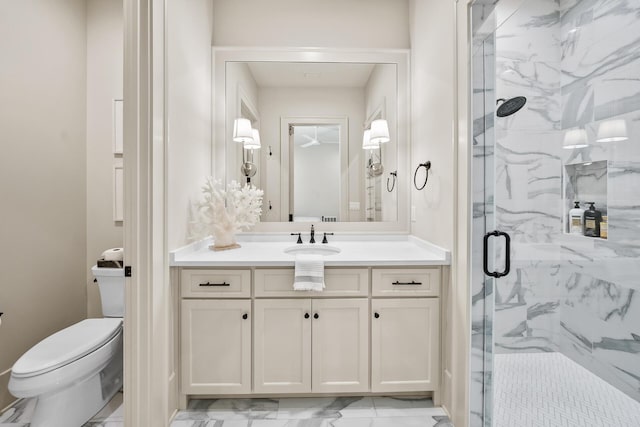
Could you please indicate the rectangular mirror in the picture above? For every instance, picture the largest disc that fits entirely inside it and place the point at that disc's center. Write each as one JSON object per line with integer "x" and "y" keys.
{"x": 311, "y": 112}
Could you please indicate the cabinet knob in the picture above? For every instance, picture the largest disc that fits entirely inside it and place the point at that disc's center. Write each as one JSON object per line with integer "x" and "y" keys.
{"x": 316, "y": 316}
{"x": 376, "y": 315}
{"x": 245, "y": 316}
{"x": 306, "y": 315}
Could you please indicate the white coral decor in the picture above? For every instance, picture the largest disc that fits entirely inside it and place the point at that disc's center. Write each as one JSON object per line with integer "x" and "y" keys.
{"x": 225, "y": 212}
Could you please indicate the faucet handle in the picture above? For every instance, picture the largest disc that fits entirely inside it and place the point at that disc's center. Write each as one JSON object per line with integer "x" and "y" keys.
{"x": 299, "y": 237}
{"x": 324, "y": 238}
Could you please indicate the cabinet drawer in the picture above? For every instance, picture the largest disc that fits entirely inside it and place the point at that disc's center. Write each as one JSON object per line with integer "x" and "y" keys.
{"x": 339, "y": 282}
{"x": 423, "y": 282}
{"x": 209, "y": 283}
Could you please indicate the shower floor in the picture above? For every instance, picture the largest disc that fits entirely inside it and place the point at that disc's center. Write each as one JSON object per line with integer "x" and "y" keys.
{"x": 549, "y": 389}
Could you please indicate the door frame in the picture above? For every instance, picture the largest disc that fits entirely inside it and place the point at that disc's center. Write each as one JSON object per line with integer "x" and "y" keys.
{"x": 149, "y": 399}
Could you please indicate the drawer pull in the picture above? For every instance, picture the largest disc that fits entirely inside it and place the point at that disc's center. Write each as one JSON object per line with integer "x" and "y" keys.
{"x": 215, "y": 284}
{"x": 413, "y": 282}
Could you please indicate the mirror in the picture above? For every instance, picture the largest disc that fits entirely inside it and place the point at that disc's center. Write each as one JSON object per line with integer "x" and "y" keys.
{"x": 311, "y": 115}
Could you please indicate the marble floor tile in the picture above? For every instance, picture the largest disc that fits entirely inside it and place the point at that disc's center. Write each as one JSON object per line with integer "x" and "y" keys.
{"x": 326, "y": 407}
{"x": 20, "y": 414}
{"x": 315, "y": 412}
{"x": 405, "y": 407}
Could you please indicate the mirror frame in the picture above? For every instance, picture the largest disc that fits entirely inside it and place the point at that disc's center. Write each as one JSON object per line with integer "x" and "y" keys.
{"x": 398, "y": 57}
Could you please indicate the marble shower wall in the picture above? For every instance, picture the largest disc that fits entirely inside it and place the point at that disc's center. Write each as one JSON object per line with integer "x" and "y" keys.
{"x": 600, "y": 306}
{"x": 528, "y": 181}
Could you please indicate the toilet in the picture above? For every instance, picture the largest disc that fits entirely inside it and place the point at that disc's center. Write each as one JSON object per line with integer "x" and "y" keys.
{"x": 75, "y": 372}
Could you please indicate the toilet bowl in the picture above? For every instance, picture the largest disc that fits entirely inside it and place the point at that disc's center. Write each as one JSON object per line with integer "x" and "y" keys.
{"x": 75, "y": 372}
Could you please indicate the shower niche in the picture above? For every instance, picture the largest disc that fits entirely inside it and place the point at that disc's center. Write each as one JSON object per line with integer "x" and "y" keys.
{"x": 586, "y": 183}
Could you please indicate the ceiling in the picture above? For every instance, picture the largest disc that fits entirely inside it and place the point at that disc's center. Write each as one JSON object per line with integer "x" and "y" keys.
{"x": 304, "y": 74}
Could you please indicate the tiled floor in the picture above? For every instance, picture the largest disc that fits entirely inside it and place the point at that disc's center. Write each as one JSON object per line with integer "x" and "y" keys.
{"x": 293, "y": 412}
{"x": 549, "y": 389}
{"x": 20, "y": 414}
{"x": 313, "y": 412}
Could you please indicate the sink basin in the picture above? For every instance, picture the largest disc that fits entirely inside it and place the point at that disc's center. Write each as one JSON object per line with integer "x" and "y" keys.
{"x": 313, "y": 249}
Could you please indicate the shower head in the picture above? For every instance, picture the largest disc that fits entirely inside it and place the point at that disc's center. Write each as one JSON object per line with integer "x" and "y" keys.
{"x": 510, "y": 106}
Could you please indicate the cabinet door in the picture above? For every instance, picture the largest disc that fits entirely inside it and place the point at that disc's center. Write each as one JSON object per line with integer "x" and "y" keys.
{"x": 340, "y": 345}
{"x": 282, "y": 346}
{"x": 216, "y": 346}
{"x": 404, "y": 344}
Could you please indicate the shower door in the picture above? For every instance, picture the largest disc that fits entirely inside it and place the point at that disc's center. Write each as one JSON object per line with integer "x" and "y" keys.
{"x": 483, "y": 223}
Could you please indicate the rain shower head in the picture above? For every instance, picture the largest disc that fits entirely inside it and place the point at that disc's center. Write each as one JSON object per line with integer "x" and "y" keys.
{"x": 510, "y": 106}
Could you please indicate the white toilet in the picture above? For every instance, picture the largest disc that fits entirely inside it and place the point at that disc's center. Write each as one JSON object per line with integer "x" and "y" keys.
{"x": 76, "y": 371}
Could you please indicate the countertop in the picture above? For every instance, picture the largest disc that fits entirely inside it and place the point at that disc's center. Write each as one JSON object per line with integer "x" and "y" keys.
{"x": 260, "y": 250}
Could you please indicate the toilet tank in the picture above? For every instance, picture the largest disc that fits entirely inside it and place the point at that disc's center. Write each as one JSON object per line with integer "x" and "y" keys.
{"x": 111, "y": 283}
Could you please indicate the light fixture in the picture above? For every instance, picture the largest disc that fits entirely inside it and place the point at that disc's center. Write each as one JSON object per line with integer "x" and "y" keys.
{"x": 612, "y": 131}
{"x": 254, "y": 144}
{"x": 242, "y": 131}
{"x": 250, "y": 140}
{"x": 372, "y": 140}
{"x": 367, "y": 144}
{"x": 379, "y": 131}
{"x": 575, "y": 138}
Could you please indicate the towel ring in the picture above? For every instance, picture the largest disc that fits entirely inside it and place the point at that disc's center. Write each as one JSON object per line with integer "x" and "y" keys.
{"x": 393, "y": 185}
{"x": 427, "y": 166}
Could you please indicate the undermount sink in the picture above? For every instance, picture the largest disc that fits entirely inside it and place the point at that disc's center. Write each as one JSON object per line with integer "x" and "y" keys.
{"x": 313, "y": 249}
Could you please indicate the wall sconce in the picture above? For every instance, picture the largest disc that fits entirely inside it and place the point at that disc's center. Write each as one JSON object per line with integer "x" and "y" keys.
{"x": 575, "y": 138}
{"x": 372, "y": 139}
{"x": 612, "y": 131}
{"x": 250, "y": 139}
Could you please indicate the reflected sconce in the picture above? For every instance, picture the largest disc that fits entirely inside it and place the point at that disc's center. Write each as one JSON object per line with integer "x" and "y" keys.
{"x": 372, "y": 140}
{"x": 612, "y": 131}
{"x": 575, "y": 138}
{"x": 250, "y": 139}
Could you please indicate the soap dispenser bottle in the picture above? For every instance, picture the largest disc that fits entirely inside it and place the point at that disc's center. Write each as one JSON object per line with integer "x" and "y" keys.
{"x": 576, "y": 219}
{"x": 592, "y": 219}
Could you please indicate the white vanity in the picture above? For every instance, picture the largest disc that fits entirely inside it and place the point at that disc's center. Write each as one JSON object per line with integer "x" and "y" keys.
{"x": 243, "y": 330}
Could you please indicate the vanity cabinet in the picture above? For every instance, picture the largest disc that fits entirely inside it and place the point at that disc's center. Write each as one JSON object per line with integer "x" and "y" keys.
{"x": 405, "y": 329}
{"x": 405, "y": 338}
{"x": 216, "y": 346}
{"x": 305, "y": 345}
{"x": 245, "y": 330}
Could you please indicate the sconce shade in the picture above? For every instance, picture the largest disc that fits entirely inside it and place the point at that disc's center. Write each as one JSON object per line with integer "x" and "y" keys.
{"x": 242, "y": 131}
{"x": 612, "y": 131}
{"x": 380, "y": 131}
{"x": 254, "y": 144}
{"x": 367, "y": 144}
{"x": 575, "y": 138}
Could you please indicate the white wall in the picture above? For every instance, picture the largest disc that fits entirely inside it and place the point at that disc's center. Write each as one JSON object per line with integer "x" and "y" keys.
{"x": 311, "y": 23}
{"x": 189, "y": 26}
{"x": 275, "y": 103}
{"x": 104, "y": 84}
{"x": 432, "y": 108}
{"x": 42, "y": 173}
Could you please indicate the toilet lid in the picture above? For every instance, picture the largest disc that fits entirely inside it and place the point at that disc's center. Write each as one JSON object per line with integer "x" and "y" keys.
{"x": 66, "y": 346}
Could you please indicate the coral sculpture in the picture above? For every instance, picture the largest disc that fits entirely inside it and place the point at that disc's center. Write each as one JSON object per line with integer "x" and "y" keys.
{"x": 223, "y": 213}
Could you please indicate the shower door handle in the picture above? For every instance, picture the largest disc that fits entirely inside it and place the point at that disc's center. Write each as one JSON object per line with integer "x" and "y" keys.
{"x": 485, "y": 254}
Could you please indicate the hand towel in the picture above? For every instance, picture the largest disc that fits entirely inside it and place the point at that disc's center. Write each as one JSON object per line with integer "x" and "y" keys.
{"x": 309, "y": 273}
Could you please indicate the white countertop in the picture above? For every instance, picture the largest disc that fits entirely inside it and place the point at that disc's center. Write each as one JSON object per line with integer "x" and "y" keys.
{"x": 260, "y": 250}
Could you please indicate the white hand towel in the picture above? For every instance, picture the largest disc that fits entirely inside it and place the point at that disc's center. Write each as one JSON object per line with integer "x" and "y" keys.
{"x": 309, "y": 274}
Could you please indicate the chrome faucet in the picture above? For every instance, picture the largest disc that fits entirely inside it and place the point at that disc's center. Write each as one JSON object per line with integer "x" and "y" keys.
{"x": 313, "y": 234}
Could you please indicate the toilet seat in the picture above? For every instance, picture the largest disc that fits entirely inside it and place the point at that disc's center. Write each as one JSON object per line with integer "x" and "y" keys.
{"x": 66, "y": 346}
